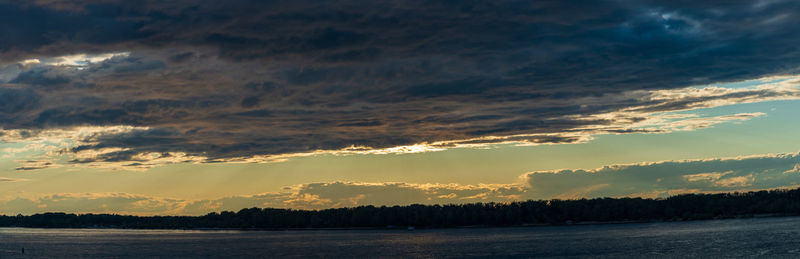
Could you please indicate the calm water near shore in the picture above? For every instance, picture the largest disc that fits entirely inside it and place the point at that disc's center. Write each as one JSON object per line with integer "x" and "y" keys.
{"x": 755, "y": 237}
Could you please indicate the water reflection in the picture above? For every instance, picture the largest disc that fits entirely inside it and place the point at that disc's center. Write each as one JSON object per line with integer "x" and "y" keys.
{"x": 770, "y": 237}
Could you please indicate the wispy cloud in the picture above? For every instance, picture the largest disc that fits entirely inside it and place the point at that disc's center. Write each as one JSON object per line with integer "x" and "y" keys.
{"x": 9, "y": 180}
{"x": 75, "y": 60}
{"x": 91, "y": 202}
{"x": 304, "y": 196}
{"x": 651, "y": 180}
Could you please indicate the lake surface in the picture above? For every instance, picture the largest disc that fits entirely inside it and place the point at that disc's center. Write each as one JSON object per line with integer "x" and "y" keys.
{"x": 757, "y": 237}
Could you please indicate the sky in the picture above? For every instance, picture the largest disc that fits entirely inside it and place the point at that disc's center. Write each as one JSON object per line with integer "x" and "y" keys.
{"x": 184, "y": 108}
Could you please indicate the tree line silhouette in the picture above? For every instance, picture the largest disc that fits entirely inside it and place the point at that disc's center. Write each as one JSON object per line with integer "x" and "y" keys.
{"x": 544, "y": 212}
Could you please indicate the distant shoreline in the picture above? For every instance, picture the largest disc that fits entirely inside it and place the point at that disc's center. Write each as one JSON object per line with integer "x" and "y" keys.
{"x": 432, "y": 228}
{"x": 524, "y": 213}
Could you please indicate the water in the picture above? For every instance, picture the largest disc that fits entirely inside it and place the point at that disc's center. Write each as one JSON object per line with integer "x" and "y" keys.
{"x": 759, "y": 237}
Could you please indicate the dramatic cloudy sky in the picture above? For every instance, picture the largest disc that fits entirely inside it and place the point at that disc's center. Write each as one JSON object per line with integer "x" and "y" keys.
{"x": 180, "y": 107}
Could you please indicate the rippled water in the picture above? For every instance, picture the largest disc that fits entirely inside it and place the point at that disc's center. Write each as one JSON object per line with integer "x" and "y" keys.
{"x": 765, "y": 237}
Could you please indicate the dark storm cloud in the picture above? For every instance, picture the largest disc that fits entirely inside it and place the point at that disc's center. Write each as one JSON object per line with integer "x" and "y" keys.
{"x": 13, "y": 101}
{"x": 242, "y": 78}
{"x": 30, "y": 30}
{"x": 39, "y": 77}
{"x": 528, "y": 43}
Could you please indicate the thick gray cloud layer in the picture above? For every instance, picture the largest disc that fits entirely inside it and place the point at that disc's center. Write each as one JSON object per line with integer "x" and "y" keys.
{"x": 242, "y": 78}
